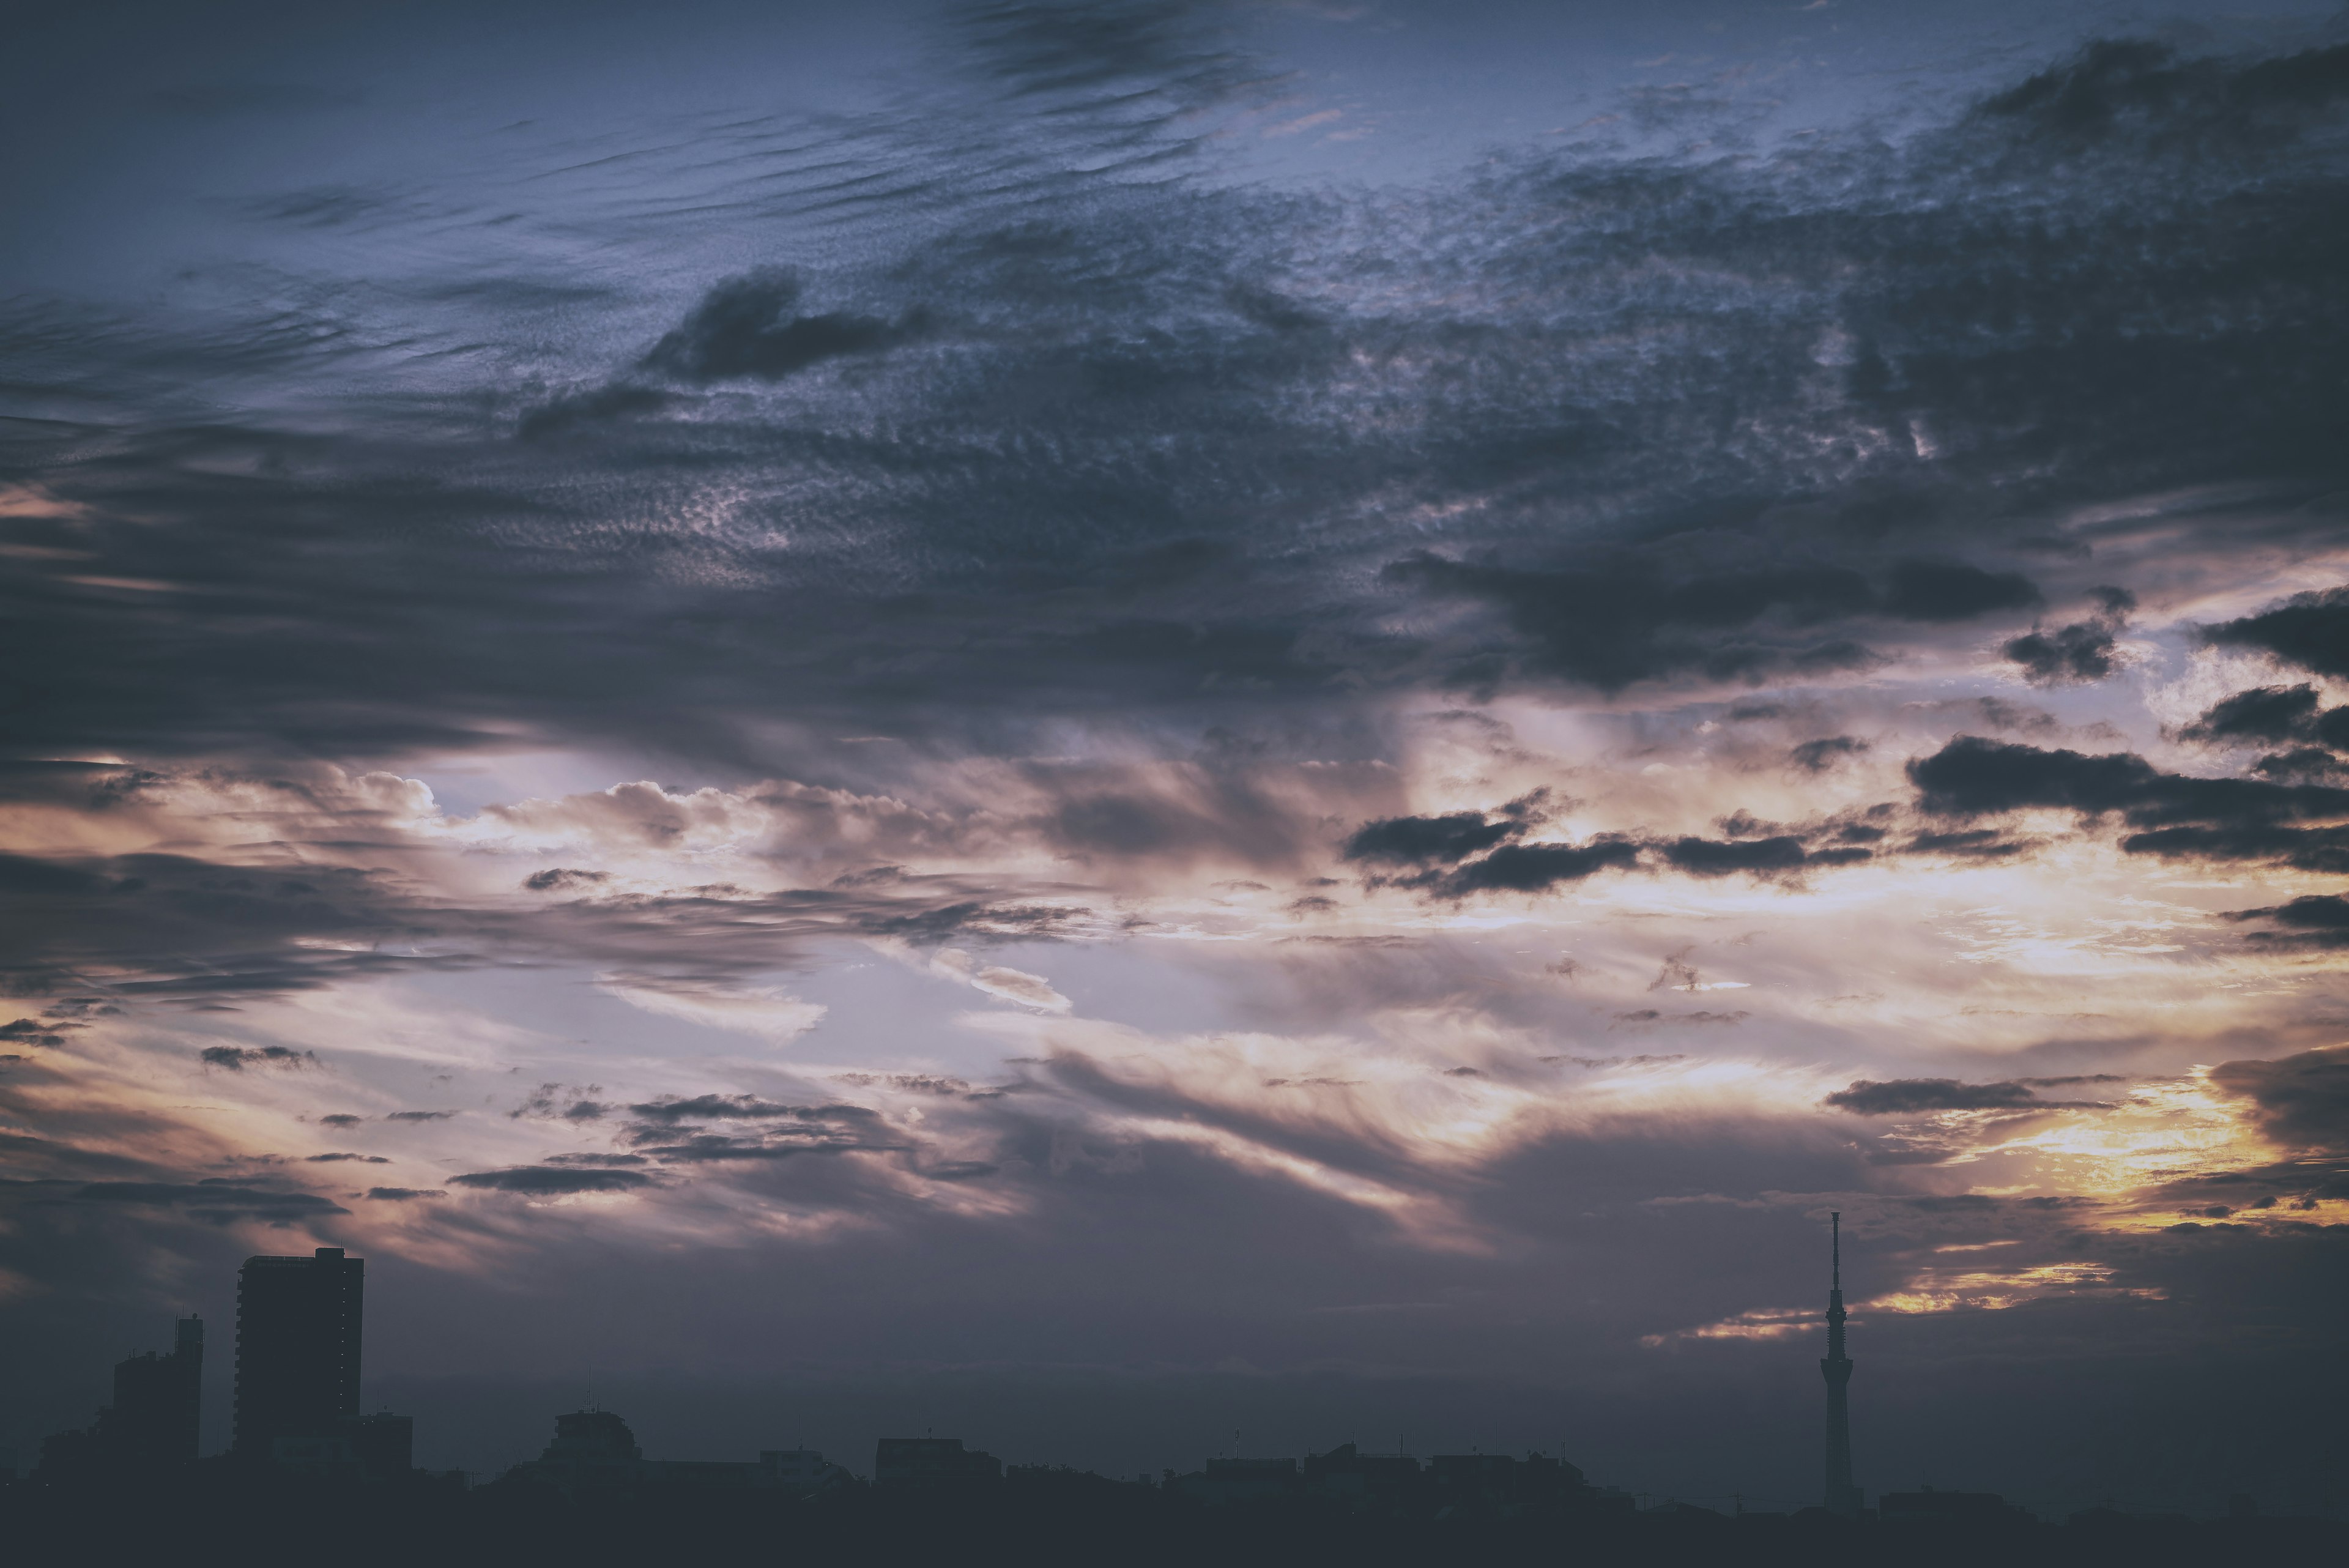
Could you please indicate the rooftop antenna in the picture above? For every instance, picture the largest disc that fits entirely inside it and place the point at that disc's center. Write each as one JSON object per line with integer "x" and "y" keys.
{"x": 1834, "y": 1218}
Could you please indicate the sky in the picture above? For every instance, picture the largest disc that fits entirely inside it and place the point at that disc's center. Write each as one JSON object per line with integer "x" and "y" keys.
{"x": 1142, "y": 730}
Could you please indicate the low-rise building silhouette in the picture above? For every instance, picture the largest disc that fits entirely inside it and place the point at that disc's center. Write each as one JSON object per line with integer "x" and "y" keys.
{"x": 1376, "y": 1482}
{"x": 1465, "y": 1486}
{"x": 594, "y": 1451}
{"x": 1925, "y": 1506}
{"x": 1229, "y": 1480}
{"x": 927, "y": 1465}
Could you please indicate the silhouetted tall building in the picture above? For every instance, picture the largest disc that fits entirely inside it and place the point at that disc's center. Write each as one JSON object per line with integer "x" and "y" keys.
{"x": 151, "y": 1427}
{"x": 1842, "y": 1497}
{"x": 297, "y": 1348}
{"x": 157, "y": 1404}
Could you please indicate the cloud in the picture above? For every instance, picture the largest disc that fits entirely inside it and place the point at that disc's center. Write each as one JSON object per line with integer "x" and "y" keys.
{"x": 1122, "y": 336}
{"x": 2138, "y": 90}
{"x": 2300, "y": 1101}
{"x": 237, "y": 1058}
{"x": 746, "y": 327}
{"x": 594, "y": 406}
{"x": 1017, "y": 985}
{"x": 1954, "y": 591}
{"x": 1971, "y": 843}
{"x": 214, "y": 1200}
{"x": 672, "y": 1109}
{"x": 1920, "y": 1096}
{"x": 2264, "y": 713}
{"x": 1532, "y": 867}
{"x": 403, "y": 1194}
{"x": 331, "y": 1158}
{"x": 1615, "y": 626}
{"x": 766, "y": 1013}
{"x": 1818, "y": 756}
{"x": 1762, "y": 858}
{"x": 1416, "y": 840}
{"x": 2310, "y": 631}
{"x": 539, "y": 1181}
{"x": 2312, "y": 920}
{"x": 561, "y": 879}
{"x": 2081, "y": 651}
{"x": 1009, "y": 984}
{"x": 2177, "y": 817}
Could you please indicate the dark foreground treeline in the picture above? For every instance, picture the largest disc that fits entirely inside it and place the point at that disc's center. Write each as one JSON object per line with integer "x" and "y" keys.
{"x": 218, "y": 1513}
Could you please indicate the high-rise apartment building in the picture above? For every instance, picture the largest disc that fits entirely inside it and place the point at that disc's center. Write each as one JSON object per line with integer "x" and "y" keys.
{"x": 297, "y": 1348}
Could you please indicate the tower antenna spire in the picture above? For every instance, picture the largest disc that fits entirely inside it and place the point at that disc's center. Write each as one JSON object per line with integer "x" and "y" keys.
{"x": 1842, "y": 1497}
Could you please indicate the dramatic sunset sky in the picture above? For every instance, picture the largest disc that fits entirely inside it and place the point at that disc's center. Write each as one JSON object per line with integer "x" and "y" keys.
{"x": 1089, "y": 724}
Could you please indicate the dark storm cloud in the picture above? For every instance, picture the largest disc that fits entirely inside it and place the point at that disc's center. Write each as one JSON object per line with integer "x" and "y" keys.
{"x": 2140, "y": 92}
{"x": 1164, "y": 447}
{"x": 2312, "y": 921}
{"x": 2303, "y": 765}
{"x": 561, "y": 879}
{"x": 1971, "y": 844}
{"x": 747, "y": 326}
{"x": 2081, "y": 651}
{"x": 1612, "y": 629}
{"x": 179, "y": 928}
{"x": 587, "y": 409}
{"x": 2262, "y": 713}
{"x": 1034, "y": 45}
{"x": 2310, "y": 631}
{"x": 237, "y": 1058}
{"x": 179, "y": 931}
{"x": 1416, "y": 840}
{"x": 552, "y": 1182}
{"x": 1532, "y": 867}
{"x": 2177, "y": 817}
{"x": 1923, "y": 1096}
{"x": 403, "y": 1194}
{"x": 212, "y": 1199}
{"x": 742, "y": 1107}
{"x": 1776, "y": 856}
{"x": 1788, "y": 853}
{"x": 1954, "y": 591}
{"x": 717, "y": 1149}
{"x": 1438, "y": 846}
{"x": 2300, "y": 1102}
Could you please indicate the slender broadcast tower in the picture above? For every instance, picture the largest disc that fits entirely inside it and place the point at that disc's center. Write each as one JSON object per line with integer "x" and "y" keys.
{"x": 1843, "y": 1498}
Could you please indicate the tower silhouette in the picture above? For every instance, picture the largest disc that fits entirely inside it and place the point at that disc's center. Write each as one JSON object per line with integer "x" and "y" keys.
{"x": 297, "y": 1348}
{"x": 1843, "y": 1498}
